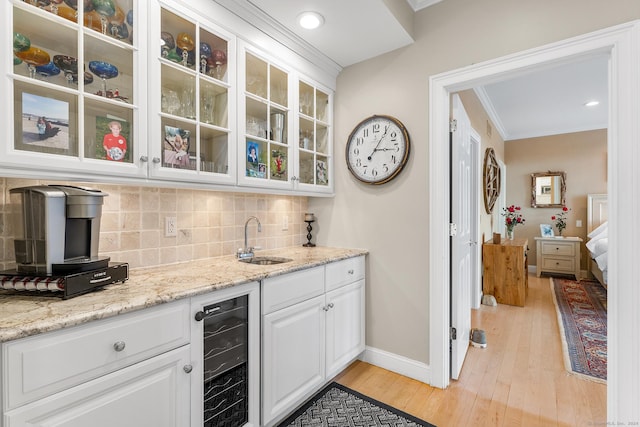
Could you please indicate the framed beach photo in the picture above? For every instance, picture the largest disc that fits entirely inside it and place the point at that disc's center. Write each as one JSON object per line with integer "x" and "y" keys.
{"x": 43, "y": 122}
{"x": 546, "y": 230}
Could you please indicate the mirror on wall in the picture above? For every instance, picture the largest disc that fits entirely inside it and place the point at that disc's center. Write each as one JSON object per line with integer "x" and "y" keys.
{"x": 548, "y": 189}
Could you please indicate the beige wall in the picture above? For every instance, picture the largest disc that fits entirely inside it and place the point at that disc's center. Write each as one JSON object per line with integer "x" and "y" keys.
{"x": 582, "y": 155}
{"x": 391, "y": 220}
{"x": 210, "y": 223}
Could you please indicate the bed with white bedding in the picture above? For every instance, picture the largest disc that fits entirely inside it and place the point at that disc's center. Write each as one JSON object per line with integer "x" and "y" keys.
{"x": 598, "y": 236}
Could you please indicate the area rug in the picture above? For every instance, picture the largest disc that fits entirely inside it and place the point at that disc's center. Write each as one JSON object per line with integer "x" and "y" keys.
{"x": 339, "y": 406}
{"x": 582, "y": 318}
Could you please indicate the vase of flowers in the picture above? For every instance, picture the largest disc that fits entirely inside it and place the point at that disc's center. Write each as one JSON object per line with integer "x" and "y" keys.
{"x": 561, "y": 220}
{"x": 512, "y": 217}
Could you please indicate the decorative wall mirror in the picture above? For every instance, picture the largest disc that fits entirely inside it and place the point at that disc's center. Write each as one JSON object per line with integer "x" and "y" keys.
{"x": 491, "y": 178}
{"x": 548, "y": 189}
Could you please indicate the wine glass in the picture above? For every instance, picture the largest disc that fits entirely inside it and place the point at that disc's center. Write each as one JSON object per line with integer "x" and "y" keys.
{"x": 47, "y": 70}
{"x": 105, "y": 71}
{"x": 205, "y": 53}
{"x": 167, "y": 43}
{"x": 106, "y": 9}
{"x": 68, "y": 65}
{"x": 218, "y": 60}
{"x": 21, "y": 42}
{"x": 34, "y": 56}
{"x": 186, "y": 44}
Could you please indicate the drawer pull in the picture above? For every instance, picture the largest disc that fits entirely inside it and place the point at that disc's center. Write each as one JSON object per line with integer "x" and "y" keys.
{"x": 119, "y": 346}
{"x": 350, "y": 271}
{"x": 187, "y": 368}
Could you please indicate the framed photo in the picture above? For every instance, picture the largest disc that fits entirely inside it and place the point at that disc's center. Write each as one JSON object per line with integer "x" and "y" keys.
{"x": 321, "y": 172}
{"x": 279, "y": 165}
{"x": 112, "y": 139}
{"x": 176, "y": 148}
{"x": 43, "y": 124}
{"x": 546, "y": 230}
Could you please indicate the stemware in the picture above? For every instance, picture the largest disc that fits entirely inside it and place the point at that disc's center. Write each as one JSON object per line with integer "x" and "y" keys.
{"x": 218, "y": 59}
{"x": 21, "y": 42}
{"x": 47, "y": 70}
{"x": 167, "y": 43}
{"x": 105, "y": 71}
{"x": 205, "y": 53}
{"x": 34, "y": 57}
{"x": 186, "y": 44}
{"x": 68, "y": 65}
{"x": 106, "y": 9}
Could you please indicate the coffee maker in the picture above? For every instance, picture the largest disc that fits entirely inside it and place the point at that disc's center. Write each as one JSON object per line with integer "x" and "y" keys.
{"x": 58, "y": 230}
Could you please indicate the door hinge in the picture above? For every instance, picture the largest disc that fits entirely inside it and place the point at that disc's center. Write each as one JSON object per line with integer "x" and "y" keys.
{"x": 453, "y": 125}
{"x": 453, "y": 334}
{"x": 453, "y": 229}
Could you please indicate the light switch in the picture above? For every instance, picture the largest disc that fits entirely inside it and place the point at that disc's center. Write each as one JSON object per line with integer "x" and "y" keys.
{"x": 578, "y": 223}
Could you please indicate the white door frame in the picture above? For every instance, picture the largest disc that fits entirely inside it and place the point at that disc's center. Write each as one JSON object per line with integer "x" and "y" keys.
{"x": 476, "y": 253}
{"x": 622, "y": 43}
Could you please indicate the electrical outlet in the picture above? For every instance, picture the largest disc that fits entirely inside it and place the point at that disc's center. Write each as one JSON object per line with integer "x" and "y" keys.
{"x": 285, "y": 223}
{"x": 170, "y": 226}
{"x": 578, "y": 223}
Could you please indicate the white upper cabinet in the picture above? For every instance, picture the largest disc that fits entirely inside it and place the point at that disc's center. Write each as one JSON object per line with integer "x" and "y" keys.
{"x": 161, "y": 90}
{"x": 75, "y": 85}
{"x": 192, "y": 112}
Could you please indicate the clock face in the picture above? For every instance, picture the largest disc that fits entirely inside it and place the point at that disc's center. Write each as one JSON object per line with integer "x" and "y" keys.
{"x": 377, "y": 149}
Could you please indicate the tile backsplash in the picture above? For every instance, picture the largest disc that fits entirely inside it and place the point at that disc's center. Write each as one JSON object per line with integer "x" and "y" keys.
{"x": 209, "y": 223}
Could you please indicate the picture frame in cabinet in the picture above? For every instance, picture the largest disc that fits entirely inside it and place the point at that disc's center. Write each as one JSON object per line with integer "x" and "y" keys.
{"x": 43, "y": 123}
{"x": 112, "y": 136}
{"x": 256, "y": 163}
{"x": 279, "y": 165}
{"x": 176, "y": 148}
{"x": 321, "y": 172}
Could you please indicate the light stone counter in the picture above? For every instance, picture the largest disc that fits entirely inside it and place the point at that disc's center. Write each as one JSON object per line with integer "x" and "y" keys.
{"x": 22, "y": 315}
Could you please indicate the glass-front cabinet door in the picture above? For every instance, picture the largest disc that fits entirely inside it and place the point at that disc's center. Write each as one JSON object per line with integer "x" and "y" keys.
{"x": 265, "y": 154}
{"x": 73, "y": 78}
{"x": 192, "y": 98}
{"x": 315, "y": 162}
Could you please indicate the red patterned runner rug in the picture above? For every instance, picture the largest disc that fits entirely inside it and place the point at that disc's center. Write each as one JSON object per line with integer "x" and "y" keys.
{"x": 582, "y": 318}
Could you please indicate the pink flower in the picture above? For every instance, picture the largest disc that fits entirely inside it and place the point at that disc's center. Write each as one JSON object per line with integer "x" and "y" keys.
{"x": 511, "y": 208}
{"x": 564, "y": 208}
{"x": 553, "y": 218}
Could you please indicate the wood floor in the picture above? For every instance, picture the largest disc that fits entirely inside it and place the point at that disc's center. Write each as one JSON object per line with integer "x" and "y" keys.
{"x": 518, "y": 380}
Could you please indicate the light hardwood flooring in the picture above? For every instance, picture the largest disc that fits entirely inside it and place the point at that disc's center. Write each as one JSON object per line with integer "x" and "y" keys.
{"x": 518, "y": 380}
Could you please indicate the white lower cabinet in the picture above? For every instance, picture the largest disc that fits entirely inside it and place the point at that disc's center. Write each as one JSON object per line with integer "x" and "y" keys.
{"x": 310, "y": 338}
{"x": 154, "y": 392}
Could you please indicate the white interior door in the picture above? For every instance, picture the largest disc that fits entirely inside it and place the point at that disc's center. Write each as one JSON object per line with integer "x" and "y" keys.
{"x": 462, "y": 240}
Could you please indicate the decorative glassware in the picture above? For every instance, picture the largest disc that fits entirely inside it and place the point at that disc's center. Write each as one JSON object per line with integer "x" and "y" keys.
{"x": 106, "y": 9}
{"x": 21, "y": 42}
{"x": 167, "y": 43}
{"x": 68, "y": 65}
{"x": 218, "y": 60}
{"x": 48, "y": 70}
{"x": 205, "y": 54}
{"x": 186, "y": 44}
{"x": 105, "y": 71}
{"x": 34, "y": 57}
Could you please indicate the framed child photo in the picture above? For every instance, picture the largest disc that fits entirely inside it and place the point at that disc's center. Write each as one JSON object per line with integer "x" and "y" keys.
{"x": 546, "y": 230}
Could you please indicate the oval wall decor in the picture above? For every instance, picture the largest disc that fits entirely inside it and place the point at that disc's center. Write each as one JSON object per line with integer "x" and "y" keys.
{"x": 491, "y": 178}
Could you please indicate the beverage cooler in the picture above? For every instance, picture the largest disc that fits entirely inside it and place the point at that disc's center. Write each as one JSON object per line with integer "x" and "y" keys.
{"x": 227, "y": 362}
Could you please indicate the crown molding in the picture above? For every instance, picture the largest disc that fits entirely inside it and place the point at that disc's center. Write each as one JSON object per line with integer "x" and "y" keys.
{"x": 417, "y": 5}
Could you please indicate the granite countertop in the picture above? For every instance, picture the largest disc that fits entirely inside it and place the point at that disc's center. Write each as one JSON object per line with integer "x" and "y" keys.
{"x": 22, "y": 315}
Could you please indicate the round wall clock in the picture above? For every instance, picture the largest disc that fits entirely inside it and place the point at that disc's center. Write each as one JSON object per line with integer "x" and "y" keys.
{"x": 377, "y": 149}
{"x": 491, "y": 178}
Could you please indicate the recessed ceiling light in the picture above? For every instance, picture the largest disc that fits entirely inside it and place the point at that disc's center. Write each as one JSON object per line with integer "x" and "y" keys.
{"x": 310, "y": 20}
{"x": 591, "y": 103}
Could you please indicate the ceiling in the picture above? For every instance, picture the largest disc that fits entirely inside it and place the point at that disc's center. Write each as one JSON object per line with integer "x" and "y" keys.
{"x": 540, "y": 102}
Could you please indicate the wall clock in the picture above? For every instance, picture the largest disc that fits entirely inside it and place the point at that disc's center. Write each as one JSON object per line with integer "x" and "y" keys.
{"x": 491, "y": 178}
{"x": 377, "y": 149}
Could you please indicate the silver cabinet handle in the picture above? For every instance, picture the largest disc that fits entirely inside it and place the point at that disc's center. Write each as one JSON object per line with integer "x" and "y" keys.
{"x": 325, "y": 308}
{"x": 119, "y": 346}
{"x": 330, "y": 305}
{"x": 350, "y": 271}
{"x": 156, "y": 160}
{"x": 144, "y": 159}
{"x": 187, "y": 368}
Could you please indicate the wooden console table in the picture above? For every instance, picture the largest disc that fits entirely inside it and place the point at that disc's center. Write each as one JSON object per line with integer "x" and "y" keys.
{"x": 558, "y": 255}
{"x": 505, "y": 271}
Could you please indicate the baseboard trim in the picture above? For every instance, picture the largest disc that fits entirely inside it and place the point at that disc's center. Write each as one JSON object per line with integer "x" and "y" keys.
{"x": 399, "y": 364}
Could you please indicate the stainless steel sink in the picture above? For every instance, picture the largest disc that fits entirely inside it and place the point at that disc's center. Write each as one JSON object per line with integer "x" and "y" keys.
{"x": 265, "y": 260}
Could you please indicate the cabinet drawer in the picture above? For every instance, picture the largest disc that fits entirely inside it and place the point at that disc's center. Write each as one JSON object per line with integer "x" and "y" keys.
{"x": 289, "y": 289}
{"x": 558, "y": 264}
{"x": 44, "y": 364}
{"x": 549, "y": 248}
{"x": 343, "y": 272}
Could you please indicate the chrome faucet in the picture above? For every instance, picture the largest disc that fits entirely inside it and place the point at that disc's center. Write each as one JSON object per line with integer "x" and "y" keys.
{"x": 247, "y": 251}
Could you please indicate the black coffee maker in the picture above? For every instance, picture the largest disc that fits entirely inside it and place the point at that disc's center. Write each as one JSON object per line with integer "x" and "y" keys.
{"x": 58, "y": 229}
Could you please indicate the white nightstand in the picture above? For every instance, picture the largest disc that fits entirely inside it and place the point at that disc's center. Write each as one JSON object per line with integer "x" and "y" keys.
{"x": 558, "y": 255}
